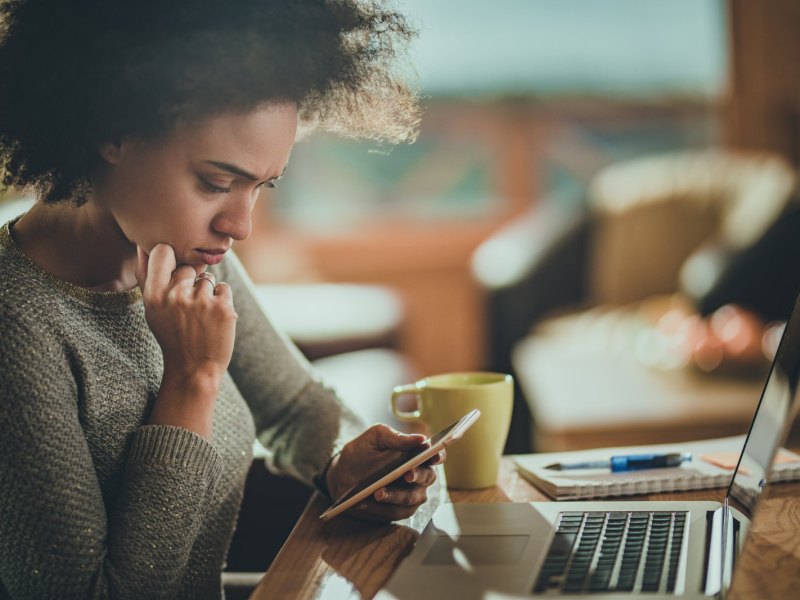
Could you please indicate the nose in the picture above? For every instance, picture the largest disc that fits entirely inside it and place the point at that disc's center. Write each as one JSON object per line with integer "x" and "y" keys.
{"x": 235, "y": 220}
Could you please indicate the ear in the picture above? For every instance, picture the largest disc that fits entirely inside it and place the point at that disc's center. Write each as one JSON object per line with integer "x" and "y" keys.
{"x": 111, "y": 151}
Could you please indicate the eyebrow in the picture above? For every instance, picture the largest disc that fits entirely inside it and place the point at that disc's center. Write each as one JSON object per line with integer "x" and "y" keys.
{"x": 233, "y": 169}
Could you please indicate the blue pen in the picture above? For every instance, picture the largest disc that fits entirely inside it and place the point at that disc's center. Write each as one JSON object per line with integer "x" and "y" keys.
{"x": 629, "y": 462}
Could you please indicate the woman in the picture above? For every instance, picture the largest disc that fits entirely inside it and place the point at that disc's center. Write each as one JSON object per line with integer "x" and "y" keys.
{"x": 137, "y": 366}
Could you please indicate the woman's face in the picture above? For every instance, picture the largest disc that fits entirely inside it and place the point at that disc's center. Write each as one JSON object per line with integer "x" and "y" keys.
{"x": 196, "y": 188}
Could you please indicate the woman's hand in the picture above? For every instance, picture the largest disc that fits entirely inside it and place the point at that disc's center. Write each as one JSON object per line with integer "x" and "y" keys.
{"x": 375, "y": 447}
{"x": 194, "y": 322}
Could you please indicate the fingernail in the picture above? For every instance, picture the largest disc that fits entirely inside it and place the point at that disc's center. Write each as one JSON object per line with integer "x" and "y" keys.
{"x": 381, "y": 495}
{"x": 411, "y": 476}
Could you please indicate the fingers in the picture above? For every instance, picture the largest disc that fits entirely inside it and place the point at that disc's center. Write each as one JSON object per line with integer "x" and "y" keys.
{"x": 205, "y": 282}
{"x": 395, "y": 504}
{"x": 184, "y": 276}
{"x": 374, "y": 447}
{"x": 402, "y": 495}
{"x": 424, "y": 476}
{"x": 438, "y": 459}
{"x": 402, "y": 498}
{"x": 224, "y": 291}
{"x": 386, "y": 438}
{"x": 192, "y": 318}
{"x": 399, "y": 500}
{"x": 141, "y": 266}
{"x": 159, "y": 268}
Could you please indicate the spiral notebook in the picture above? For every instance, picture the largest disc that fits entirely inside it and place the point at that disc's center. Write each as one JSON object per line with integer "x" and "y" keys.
{"x": 712, "y": 464}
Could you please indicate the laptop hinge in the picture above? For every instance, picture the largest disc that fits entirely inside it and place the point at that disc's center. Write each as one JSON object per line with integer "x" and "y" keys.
{"x": 714, "y": 551}
{"x": 729, "y": 546}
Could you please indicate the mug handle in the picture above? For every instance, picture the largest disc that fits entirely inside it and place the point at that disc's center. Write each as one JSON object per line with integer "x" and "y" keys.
{"x": 410, "y": 389}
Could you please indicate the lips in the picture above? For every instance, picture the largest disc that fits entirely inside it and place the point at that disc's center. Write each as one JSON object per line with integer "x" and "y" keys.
{"x": 211, "y": 256}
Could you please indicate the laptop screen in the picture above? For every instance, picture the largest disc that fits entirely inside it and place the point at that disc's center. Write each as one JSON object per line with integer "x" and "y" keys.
{"x": 773, "y": 416}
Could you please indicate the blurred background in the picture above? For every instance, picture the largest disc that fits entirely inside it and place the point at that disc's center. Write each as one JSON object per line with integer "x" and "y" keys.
{"x": 601, "y": 202}
{"x": 573, "y": 156}
{"x": 592, "y": 183}
{"x": 524, "y": 101}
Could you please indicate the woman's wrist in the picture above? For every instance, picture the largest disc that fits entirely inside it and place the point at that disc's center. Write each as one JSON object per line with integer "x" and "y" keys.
{"x": 324, "y": 481}
{"x": 186, "y": 401}
{"x": 197, "y": 385}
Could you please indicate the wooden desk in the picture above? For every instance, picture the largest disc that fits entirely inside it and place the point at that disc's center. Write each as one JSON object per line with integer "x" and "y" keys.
{"x": 346, "y": 558}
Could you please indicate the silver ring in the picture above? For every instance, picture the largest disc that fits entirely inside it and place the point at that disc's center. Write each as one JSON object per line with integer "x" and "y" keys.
{"x": 205, "y": 276}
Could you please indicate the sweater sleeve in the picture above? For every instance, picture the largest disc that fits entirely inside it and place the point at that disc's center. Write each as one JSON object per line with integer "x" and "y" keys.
{"x": 300, "y": 422}
{"x": 58, "y": 538}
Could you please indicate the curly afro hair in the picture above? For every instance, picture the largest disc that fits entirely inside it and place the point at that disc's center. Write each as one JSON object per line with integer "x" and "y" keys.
{"x": 75, "y": 74}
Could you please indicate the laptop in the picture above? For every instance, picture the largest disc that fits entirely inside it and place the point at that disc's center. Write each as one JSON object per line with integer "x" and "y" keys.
{"x": 613, "y": 549}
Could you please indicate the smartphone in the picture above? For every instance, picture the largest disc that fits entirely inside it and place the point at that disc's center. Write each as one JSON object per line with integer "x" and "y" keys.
{"x": 397, "y": 468}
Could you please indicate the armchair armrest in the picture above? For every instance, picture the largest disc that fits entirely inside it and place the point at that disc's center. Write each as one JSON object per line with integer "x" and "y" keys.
{"x": 529, "y": 268}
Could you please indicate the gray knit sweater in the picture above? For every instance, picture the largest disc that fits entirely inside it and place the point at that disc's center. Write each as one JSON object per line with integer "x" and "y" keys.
{"x": 94, "y": 503}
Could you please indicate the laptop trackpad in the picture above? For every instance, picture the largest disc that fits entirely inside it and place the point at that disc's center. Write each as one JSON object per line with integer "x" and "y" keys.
{"x": 476, "y": 550}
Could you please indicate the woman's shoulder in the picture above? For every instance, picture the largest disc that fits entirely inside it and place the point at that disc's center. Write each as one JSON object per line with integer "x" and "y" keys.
{"x": 27, "y": 288}
{"x": 29, "y": 308}
{"x": 19, "y": 288}
{"x": 14, "y": 285}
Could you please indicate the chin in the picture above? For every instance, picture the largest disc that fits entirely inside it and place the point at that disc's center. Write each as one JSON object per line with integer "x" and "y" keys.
{"x": 198, "y": 265}
{"x": 190, "y": 259}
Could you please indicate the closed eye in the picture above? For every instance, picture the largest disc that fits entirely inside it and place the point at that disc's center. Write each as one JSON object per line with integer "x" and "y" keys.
{"x": 214, "y": 189}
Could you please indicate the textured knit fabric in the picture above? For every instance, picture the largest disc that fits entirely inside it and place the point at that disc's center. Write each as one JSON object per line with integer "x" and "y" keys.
{"x": 95, "y": 503}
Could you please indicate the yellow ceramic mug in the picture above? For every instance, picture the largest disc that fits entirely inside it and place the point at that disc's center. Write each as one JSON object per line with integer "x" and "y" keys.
{"x": 474, "y": 461}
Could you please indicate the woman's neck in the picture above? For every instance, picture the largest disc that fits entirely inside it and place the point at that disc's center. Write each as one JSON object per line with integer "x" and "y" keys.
{"x": 81, "y": 245}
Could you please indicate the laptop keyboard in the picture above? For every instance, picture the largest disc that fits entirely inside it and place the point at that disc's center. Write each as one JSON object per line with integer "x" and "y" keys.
{"x": 595, "y": 552}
